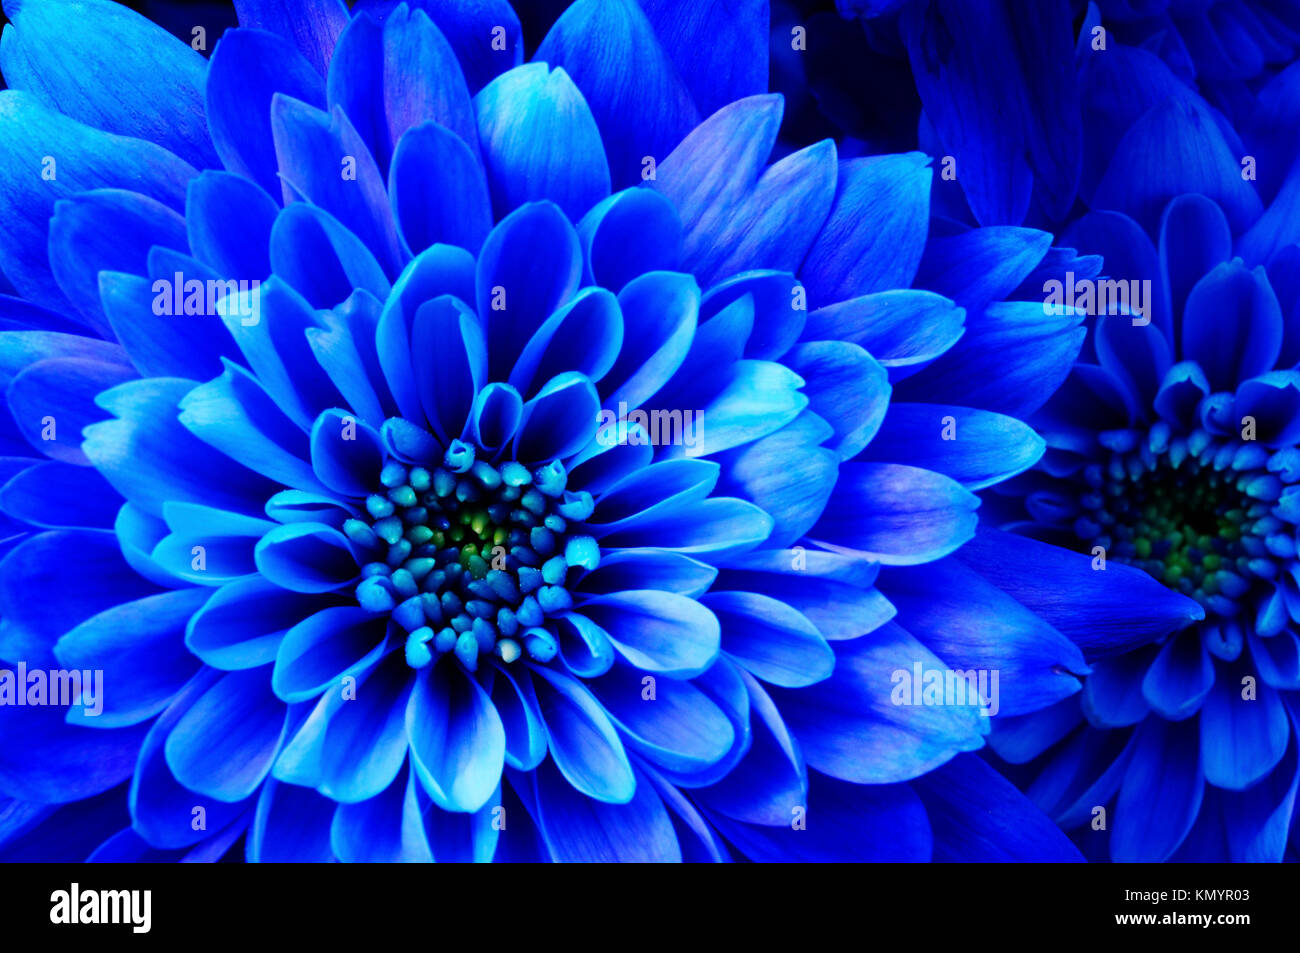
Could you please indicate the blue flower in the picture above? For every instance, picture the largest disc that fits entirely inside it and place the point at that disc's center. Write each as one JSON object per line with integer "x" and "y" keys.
{"x": 1173, "y": 448}
{"x": 356, "y": 486}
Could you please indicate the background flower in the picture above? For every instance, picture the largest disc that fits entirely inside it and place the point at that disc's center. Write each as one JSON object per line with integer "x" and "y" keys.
{"x": 1168, "y": 448}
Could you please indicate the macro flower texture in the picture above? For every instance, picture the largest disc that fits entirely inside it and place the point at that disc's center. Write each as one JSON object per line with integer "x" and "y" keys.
{"x": 444, "y": 454}
{"x": 1172, "y": 446}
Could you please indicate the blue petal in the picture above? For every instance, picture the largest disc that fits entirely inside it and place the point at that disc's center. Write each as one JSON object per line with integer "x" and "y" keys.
{"x": 56, "y": 494}
{"x": 106, "y": 230}
{"x": 840, "y": 608}
{"x": 1175, "y": 148}
{"x": 229, "y": 221}
{"x": 457, "y": 740}
{"x": 363, "y": 738}
{"x": 1001, "y": 92}
{"x": 249, "y": 67}
{"x": 734, "y": 61}
{"x": 242, "y": 623}
{"x": 52, "y": 401}
{"x": 649, "y": 569}
{"x": 1126, "y": 250}
{"x": 497, "y": 412}
{"x": 637, "y": 97}
{"x": 756, "y": 399}
{"x": 560, "y": 420}
{"x": 445, "y": 326}
{"x": 581, "y": 829}
{"x": 1242, "y": 738}
{"x": 975, "y": 627}
{"x": 850, "y": 727}
{"x": 233, "y": 414}
{"x": 584, "y": 335}
{"x": 1232, "y": 325}
{"x": 313, "y": 27}
{"x": 981, "y": 265}
{"x": 485, "y": 34}
{"x": 46, "y": 833}
{"x": 1137, "y": 354}
{"x": 1194, "y": 237}
{"x": 1101, "y": 612}
{"x": 773, "y": 641}
{"x": 351, "y": 188}
{"x": 384, "y": 829}
{"x": 439, "y": 270}
{"x": 162, "y": 811}
{"x": 70, "y": 56}
{"x": 977, "y": 815}
{"x": 786, "y": 474}
{"x": 660, "y": 632}
{"x": 682, "y": 731}
{"x": 1275, "y": 231}
{"x": 345, "y": 349}
{"x": 1011, "y": 359}
{"x": 323, "y": 649}
{"x": 1161, "y": 793}
{"x": 1180, "y": 393}
{"x": 540, "y": 142}
{"x": 152, "y": 340}
{"x": 393, "y": 77}
{"x": 224, "y": 744}
{"x": 846, "y": 388}
{"x": 763, "y": 766}
{"x": 346, "y": 454}
{"x": 140, "y": 649}
{"x": 291, "y": 825}
{"x": 1257, "y": 819}
{"x": 44, "y": 591}
{"x": 713, "y": 170}
{"x": 780, "y": 218}
{"x": 529, "y": 266}
{"x": 279, "y": 353}
{"x": 46, "y": 759}
{"x": 90, "y": 159}
{"x": 716, "y": 526}
{"x": 438, "y": 190}
{"x": 899, "y": 328}
{"x": 1181, "y": 676}
{"x": 876, "y": 231}
{"x": 851, "y": 823}
{"x": 515, "y": 700}
{"x": 583, "y": 742}
{"x": 775, "y": 319}
{"x": 982, "y": 448}
{"x": 660, "y": 315}
{"x": 322, "y": 260}
{"x": 897, "y": 515}
{"x": 306, "y": 557}
{"x": 629, "y": 234}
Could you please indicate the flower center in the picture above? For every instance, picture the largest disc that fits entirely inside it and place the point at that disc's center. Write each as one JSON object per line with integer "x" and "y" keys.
{"x": 472, "y": 558}
{"x": 1196, "y": 513}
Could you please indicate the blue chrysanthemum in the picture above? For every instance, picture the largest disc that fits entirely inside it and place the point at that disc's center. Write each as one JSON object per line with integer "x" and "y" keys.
{"x": 1173, "y": 448}
{"x": 382, "y": 563}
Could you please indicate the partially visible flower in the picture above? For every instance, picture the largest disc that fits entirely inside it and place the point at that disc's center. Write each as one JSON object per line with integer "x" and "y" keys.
{"x": 366, "y": 576}
{"x": 1174, "y": 448}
